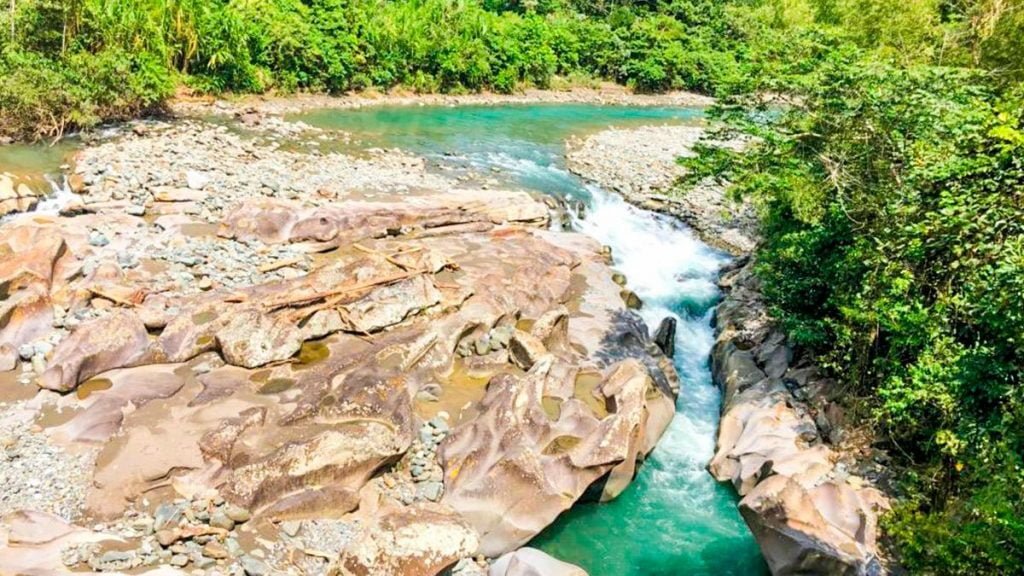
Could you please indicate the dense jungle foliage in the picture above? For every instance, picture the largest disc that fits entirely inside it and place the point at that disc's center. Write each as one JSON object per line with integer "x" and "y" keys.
{"x": 890, "y": 183}
{"x": 888, "y": 167}
{"x": 76, "y": 62}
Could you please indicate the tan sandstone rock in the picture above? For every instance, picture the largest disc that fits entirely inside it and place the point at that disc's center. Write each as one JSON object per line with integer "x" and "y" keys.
{"x": 117, "y": 341}
{"x": 419, "y": 540}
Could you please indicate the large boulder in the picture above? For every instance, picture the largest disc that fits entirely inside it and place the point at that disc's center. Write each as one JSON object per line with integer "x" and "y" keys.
{"x": 251, "y": 338}
{"x": 805, "y": 515}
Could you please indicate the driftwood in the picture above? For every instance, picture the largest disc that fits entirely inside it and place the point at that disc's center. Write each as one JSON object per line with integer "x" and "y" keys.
{"x": 333, "y": 297}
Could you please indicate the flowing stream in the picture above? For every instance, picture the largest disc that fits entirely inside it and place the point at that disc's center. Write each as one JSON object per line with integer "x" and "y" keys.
{"x": 674, "y": 519}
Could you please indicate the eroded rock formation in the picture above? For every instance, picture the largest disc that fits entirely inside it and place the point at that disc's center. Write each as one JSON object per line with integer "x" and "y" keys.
{"x": 426, "y": 377}
{"x": 808, "y": 508}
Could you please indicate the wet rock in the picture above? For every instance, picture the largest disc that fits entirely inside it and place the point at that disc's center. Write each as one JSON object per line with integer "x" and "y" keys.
{"x": 665, "y": 336}
{"x": 633, "y": 302}
{"x": 797, "y": 500}
{"x": 827, "y": 529}
{"x": 515, "y": 467}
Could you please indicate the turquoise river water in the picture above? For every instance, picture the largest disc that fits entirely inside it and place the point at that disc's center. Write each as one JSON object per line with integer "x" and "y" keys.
{"x": 674, "y": 520}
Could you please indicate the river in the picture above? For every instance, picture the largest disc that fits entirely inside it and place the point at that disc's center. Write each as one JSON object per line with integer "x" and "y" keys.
{"x": 675, "y": 519}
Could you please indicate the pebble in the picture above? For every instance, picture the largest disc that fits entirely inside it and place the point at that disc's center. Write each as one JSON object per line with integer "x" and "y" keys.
{"x": 215, "y": 550}
{"x": 166, "y": 515}
{"x": 253, "y": 566}
{"x": 291, "y": 528}
{"x": 166, "y": 537}
{"x": 221, "y": 520}
{"x": 430, "y": 490}
{"x": 237, "y": 513}
{"x": 98, "y": 239}
{"x": 179, "y": 560}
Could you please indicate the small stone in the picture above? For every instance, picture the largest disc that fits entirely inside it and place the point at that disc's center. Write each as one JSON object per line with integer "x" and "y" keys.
{"x": 439, "y": 424}
{"x": 215, "y": 550}
{"x": 114, "y": 560}
{"x": 136, "y": 210}
{"x": 26, "y": 351}
{"x": 98, "y": 239}
{"x": 203, "y": 562}
{"x": 430, "y": 491}
{"x": 291, "y": 528}
{"x": 166, "y": 515}
{"x": 253, "y": 566}
{"x": 633, "y": 302}
{"x": 166, "y": 537}
{"x": 43, "y": 348}
{"x": 39, "y": 364}
{"x": 196, "y": 180}
{"x": 426, "y": 435}
{"x": 237, "y": 513}
{"x": 483, "y": 346}
{"x": 179, "y": 560}
{"x": 205, "y": 283}
{"x": 221, "y": 520}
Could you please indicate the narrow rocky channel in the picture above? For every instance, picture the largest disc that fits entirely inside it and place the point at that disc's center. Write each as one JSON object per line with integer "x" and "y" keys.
{"x": 673, "y": 518}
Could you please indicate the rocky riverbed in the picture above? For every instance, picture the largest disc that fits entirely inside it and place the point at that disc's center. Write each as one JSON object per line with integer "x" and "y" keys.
{"x": 237, "y": 352}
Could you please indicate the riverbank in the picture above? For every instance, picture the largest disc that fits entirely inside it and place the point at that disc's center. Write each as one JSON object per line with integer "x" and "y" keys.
{"x": 807, "y": 474}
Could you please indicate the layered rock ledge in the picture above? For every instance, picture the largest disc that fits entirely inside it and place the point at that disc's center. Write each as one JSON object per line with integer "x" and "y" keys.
{"x": 261, "y": 361}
